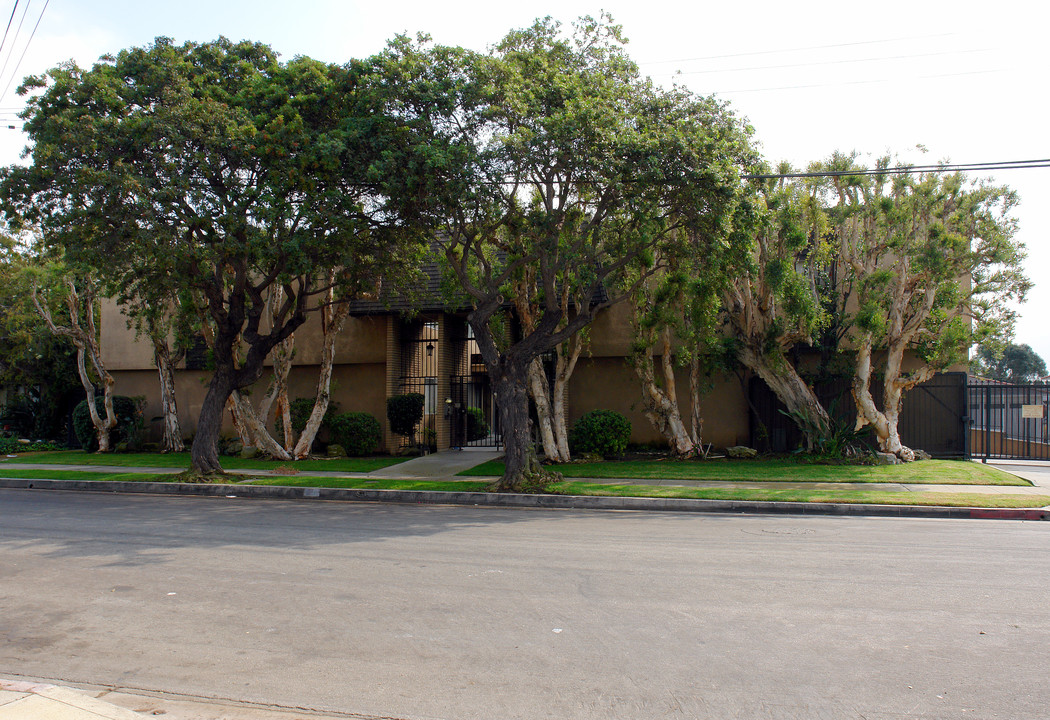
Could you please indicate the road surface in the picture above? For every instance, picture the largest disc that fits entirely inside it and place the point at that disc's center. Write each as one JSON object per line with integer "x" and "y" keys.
{"x": 457, "y": 613}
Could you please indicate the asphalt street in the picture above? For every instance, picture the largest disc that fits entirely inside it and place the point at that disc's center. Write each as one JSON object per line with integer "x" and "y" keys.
{"x": 455, "y": 612}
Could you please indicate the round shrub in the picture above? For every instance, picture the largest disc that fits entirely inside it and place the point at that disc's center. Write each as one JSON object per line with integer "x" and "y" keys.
{"x": 477, "y": 427}
{"x": 404, "y": 412}
{"x": 127, "y": 430}
{"x": 359, "y": 433}
{"x": 602, "y": 432}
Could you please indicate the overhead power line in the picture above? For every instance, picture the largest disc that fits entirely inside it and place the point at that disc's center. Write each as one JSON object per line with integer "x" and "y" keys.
{"x": 797, "y": 49}
{"x": 8, "y": 28}
{"x": 845, "y": 83}
{"x": 14, "y": 39}
{"x": 836, "y": 61}
{"x": 907, "y": 169}
{"x": 14, "y": 73}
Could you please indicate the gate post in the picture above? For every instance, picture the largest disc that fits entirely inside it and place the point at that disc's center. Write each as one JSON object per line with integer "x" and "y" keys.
{"x": 987, "y": 420}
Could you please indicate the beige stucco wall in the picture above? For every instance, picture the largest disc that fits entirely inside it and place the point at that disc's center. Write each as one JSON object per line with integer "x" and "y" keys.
{"x": 121, "y": 349}
{"x": 363, "y": 340}
{"x": 608, "y": 383}
{"x": 356, "y": 388}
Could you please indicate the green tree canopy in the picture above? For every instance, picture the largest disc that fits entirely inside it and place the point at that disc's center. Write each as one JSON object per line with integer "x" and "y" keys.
{"x": 216, "y": 169}
{"x": 554, "y": 159}
{"x": 1012, "y": 363}
{"x": 935, "y": 263}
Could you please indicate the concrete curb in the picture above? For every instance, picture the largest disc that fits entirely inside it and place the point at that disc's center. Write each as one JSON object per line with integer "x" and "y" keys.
{"x": 564, "y": 502}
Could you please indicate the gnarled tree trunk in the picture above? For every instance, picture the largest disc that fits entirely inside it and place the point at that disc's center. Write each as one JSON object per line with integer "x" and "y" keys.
{"x": 86, "y": 341}
{"x": 785, "y": 382}
{"x": 539, "y": 389}
{"x": 172, "y": 441}
{"x": 885, "y": 422}
{"x": 661, "y": 398}
{"x": 523, "y": 470}
{"x": 257, "y": 434}
{"x": 333, "y": 319}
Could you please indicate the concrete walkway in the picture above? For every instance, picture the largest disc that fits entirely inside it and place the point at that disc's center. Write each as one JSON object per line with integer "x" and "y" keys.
{"x": 444, "y": 465}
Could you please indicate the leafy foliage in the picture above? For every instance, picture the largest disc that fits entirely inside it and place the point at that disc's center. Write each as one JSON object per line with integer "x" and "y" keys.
{"x": 357, "y": 432}
{"x": 1012, "y": 363}
{"x": 237, "y": 173}
{"x": 557, "y": 171}
{"x": 602, "y": 432}
{"x": 404, "y": 412}
{"x": 13, "y": 445}
{"x": 300, "y": 410}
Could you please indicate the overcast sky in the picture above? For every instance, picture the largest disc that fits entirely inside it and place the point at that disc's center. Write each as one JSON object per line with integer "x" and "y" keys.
{"x": 965, "y": 79}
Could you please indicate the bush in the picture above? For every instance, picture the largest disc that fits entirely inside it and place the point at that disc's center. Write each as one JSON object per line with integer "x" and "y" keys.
{"x": 359, "y": 433}
{"x": 128, "y": 429}
{"x": 404, "y": 412}
{"x": 12, "y": 446}
{"x": 477, "y": 427}
{"x": 603, "y": 432}
{"x": 300, "y": 410}
{"x": 19, "y": 415}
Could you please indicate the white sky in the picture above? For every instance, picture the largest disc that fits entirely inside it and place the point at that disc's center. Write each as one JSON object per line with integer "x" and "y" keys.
{"x": 965, "y": 79}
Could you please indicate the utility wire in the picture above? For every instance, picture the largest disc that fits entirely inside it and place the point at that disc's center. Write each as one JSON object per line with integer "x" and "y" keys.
{"x": 907, "y": 169}
{"x": 831, "y": 62}
{"x": 798, "y": 49}
{"x": 14, "y": 38}
{"x": 14, "y": 73}
{"x": 853, "y": 82}
{"x": 8, "y": 28}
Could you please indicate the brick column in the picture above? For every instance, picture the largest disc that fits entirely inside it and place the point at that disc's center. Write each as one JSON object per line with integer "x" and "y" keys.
{"x": 393, "y": 376}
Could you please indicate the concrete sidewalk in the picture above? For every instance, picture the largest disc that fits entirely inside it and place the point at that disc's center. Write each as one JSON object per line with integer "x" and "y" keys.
{"x": 21, "y": 700}
{"x": 32, "y": 700}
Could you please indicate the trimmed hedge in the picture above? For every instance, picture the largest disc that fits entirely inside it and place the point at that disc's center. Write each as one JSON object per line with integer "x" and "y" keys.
{"x": 359, "y": 433}
{"x": 602, "y": 432}
{"x": 127, "y": 430}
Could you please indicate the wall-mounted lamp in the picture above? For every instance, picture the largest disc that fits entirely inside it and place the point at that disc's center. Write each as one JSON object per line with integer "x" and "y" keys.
{"x": 430, "y": 349}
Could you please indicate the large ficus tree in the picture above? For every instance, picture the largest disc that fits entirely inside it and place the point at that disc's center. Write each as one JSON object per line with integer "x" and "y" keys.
{"x": 560, "y": 162}
{"x": 223, "y": 168}
{"x": 772, "y": 297}
{"x": 936, "y": 264}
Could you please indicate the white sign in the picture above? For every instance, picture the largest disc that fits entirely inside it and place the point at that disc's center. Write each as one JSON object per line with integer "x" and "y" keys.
{"x": 1032, "y": 411}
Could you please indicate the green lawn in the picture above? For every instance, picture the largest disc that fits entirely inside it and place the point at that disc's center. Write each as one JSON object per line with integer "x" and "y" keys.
{"x": 570, "y": 487}
{"x": 935, "y": 472}
{"x": 182, "y": 461}
{"x": 20, "y": 474}
{"x": 775, "y": 494}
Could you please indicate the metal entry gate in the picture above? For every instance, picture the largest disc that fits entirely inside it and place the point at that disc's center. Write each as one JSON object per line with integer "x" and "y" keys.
{"x": 1009, "y": 421}
{"x": 475, "y": 420}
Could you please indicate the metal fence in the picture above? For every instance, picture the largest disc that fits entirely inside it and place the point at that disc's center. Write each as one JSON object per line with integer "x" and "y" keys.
{"x": 475, "y": 419}
{"x": 419, "y": 375}
{"x": 933, "y": 416}
{"x": 1009, "y": 420}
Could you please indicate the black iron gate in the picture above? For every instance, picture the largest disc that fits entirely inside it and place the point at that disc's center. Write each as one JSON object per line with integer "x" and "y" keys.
{"x": 1009, "y": 420}
{"x": 419, "y": 371}
{"x": 474, "y": 416}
